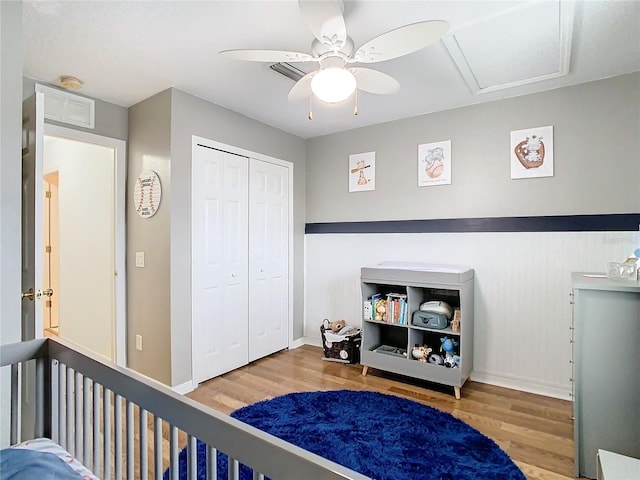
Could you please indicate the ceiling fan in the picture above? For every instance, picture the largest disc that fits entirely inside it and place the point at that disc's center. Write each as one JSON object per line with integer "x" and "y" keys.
{"x": 333, "y": 49}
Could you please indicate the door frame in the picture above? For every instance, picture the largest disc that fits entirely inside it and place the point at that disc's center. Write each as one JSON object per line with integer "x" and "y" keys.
{"x": 265, "y": 158}
{"x": 120, "y": 273}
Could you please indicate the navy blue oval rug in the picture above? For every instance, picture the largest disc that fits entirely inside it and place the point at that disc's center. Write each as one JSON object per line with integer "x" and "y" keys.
{"x": 381, "y": 436}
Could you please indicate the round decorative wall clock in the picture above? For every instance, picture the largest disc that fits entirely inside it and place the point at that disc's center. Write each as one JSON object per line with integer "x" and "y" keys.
{"x": 147, "y": 193}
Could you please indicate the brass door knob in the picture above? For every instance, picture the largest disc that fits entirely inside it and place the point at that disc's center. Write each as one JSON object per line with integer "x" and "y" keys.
{"x": 28, "y": 294}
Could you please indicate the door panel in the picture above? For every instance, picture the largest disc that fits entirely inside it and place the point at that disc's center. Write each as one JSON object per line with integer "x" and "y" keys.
{"x": 32, "y": 208}
{"x": 50, "y": 266}
{"x": 219, "y": 262}
{"x": 268, "y": 258}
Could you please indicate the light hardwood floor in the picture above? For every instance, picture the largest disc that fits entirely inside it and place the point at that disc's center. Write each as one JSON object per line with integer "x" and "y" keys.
{"x": 536, "y": 431}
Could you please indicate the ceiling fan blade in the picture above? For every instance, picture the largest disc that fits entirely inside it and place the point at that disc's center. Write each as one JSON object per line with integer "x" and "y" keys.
{"x": 302, "y": 89}
{"x": 401, "y": 41}
{"x": 268, "y": 56}
{"x": 326, "y": 21}
{"x": 373, "y": 81}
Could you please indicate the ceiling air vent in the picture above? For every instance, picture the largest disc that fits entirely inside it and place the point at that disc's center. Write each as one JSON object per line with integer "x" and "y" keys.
{"x": 66, "y": 107}
{"x": 288, "y": 71}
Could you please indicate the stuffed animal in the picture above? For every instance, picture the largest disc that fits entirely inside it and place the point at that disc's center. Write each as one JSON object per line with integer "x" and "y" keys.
{"x": 336, "y": 326}
{"x": 447, "y": 346}
{"x": 435, "y": 359}
{"x": 421, "y": 353}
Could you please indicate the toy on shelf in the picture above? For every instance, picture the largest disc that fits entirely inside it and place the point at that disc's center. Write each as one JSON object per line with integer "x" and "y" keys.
{"x": 380, "y": 310}
{"x": 421, "y": 352}
{"x": 455, "y": 323}
{"x": 448, "y": 347}
{"x": 435, "y": 359}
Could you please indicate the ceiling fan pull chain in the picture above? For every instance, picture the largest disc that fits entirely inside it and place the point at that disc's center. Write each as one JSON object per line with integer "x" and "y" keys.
{"x": 355, "y": 110}
{"x": 310, "y": 116}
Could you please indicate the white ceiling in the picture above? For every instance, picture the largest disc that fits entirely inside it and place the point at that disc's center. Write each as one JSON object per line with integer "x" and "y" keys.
{"x": 126, "y": 51}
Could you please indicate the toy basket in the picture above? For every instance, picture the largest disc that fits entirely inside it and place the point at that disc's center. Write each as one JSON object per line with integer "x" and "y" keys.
{"x": 346, "y": 351}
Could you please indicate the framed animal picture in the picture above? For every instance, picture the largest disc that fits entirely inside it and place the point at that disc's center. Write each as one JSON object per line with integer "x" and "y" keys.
{"x": 362, "y": 172}
{"x": 434, "y": 163}
{"x": 532, "y": 152}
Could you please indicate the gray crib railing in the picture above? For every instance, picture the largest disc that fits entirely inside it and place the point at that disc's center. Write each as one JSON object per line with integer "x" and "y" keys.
{"x": 79, "y": 402}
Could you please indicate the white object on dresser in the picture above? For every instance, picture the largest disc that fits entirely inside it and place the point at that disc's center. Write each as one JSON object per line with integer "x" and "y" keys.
{"x": 613, "y": 466}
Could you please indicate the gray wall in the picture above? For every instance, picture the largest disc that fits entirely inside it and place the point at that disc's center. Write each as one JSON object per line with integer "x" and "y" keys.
{"x": 159, "y": 295}
{"x": 10, "y": 183}
{"x": 149, "y": 288}
{"x": 193, "y": 116}
{"x": 596, "y": 159}
{"x": 110, "y": 119}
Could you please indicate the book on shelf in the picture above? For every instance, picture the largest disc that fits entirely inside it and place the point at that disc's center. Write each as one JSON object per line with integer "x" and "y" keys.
{"x": 396, "y": 303}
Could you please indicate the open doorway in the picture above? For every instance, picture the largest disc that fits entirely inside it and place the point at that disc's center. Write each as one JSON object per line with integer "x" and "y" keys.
{"x": 83, "y": 260}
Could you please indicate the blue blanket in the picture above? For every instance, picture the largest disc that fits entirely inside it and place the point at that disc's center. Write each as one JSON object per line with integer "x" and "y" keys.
{"x": 23, "y": 464}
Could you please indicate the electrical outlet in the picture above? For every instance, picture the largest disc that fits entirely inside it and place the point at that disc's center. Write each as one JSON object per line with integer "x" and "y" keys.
{"x": 140, "y": 259}
{"x": 139, "y": 342}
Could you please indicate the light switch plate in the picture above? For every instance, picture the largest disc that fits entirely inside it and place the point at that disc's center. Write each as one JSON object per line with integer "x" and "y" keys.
{"x": 140, "y": 259}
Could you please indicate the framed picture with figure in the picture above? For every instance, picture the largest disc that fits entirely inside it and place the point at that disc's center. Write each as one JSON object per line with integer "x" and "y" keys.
{"x": 532, "y": 152}
{"x": 362, "y": 172}
{"x": 434, "y": 163}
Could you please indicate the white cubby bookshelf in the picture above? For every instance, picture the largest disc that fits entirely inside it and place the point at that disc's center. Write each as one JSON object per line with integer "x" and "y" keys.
{"x": 387, "y": 345}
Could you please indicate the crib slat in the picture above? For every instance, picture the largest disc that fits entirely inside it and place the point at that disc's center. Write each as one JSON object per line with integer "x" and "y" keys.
{"x": 77, "y": 434}
{"x": 173, "y": 452}
{"x": 96, "y": 429}
{"x": 234, "y": 469}
{"x": 70, "y": 380}
{"x": 130, "y": 448}
{"x": 212, "y": 463}
{"x": 14, "y": 403}
{"x": 257, "y": 476}
{"x": 39, "y": 400}
{"x": 144, "y": 460}
{"x": 106, "y": 428}
{"x": 86, "y": 417}
{"x": 55, "y": 395}
{"x": 62, "y": 405}
{"x": 191, "y": 457}
{"x": 117, "y": 430}
{"x": 157, "y": 447}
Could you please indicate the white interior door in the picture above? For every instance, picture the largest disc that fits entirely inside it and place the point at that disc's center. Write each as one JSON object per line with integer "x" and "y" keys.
{"x": 32, "y": 206}
{"x": 268, "y": 258}
{"x": 219, "y": 222}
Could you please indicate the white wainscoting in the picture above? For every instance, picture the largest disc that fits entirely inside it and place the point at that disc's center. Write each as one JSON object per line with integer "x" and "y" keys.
{"x": 522, "y": 286}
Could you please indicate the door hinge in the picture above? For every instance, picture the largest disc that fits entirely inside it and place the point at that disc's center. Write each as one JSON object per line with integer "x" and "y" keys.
{"x": 47, "y": 304}
{"x": 47, "y": 249}
{"x": 47, "y": 194}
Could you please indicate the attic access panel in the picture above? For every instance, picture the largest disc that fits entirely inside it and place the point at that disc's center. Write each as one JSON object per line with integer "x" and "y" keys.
{"x": 516, "y": 47}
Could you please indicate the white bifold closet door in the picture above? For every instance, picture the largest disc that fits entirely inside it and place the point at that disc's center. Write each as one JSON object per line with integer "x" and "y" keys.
{"x": 220, "y": 263}
{"x": 268, "y": 258}
{"x": 240, "y": 260}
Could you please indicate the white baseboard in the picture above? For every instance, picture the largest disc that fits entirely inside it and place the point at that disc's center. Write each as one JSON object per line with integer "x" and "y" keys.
{"x": 546, "y": 390}
{"x": 313, "y": 341}
{"x": 553, "y": 391}
{"x": 184, "y": 388}
{"x": 297, "y": 343}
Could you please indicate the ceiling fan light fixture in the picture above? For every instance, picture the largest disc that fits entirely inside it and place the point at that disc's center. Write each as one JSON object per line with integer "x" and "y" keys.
{"x": 333, "y": 84}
